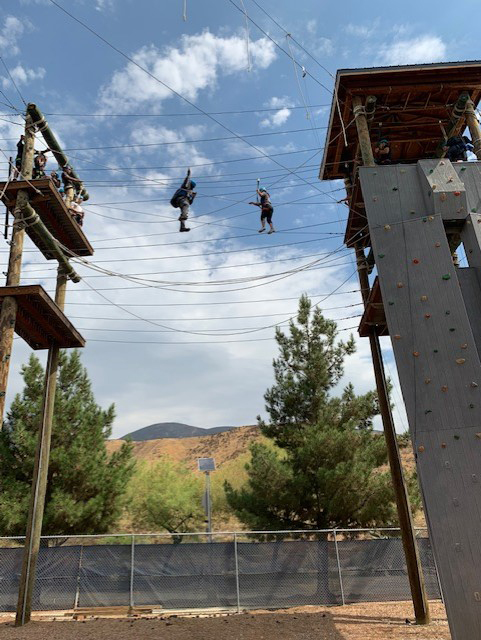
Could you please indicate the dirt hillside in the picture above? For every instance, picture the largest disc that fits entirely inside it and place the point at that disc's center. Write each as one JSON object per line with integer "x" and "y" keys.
{"x": 224, "y": 447}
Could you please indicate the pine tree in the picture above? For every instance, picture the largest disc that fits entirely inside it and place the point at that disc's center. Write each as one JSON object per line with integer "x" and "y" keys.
{"x": 325, "y": 469}
{"x": 85, "y": 486}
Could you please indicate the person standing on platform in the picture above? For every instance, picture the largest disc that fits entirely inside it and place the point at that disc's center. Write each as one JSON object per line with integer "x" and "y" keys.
{"x": 71, "y": 184}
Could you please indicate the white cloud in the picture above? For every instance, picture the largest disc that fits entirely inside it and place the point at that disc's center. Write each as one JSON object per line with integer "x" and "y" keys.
{"x": 187, "y": 69}
{"x": 426, "y": 48}
{"x": 362, "y": 30}
{"x": 23, "y": 75}
{"x": 277, "y": 118}
{"x": 11, "y": 31}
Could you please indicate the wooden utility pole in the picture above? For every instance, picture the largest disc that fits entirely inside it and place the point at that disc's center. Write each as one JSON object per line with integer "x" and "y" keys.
{"x": 8, "y": 313}
{"x": 474, "y": 128}
{"x": 40, "y": 473}
{"x": 413, "y": 562}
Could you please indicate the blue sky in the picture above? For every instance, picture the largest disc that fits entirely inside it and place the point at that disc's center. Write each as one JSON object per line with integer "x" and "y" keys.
{"x": 184, "y": 332}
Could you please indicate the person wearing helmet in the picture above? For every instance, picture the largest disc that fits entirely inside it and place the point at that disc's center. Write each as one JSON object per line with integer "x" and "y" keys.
{"x": 266, "y": 209}
{"x": 183, "y": 198}
{"x": 382, "y": 153}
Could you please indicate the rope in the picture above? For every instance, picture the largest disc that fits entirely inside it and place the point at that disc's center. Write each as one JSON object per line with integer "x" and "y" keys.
{"x": 184, "y": 11}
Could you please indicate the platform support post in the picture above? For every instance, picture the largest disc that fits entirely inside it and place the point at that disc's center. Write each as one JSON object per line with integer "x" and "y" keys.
{"x": 413, "y": 562}
{"x": 474, "y": 128}
{"x": 8, "y": 314}
{"x": 40, "y": 474}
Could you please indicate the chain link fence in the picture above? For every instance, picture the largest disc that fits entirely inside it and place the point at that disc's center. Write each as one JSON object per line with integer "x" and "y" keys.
{"x": 243, "y": 570}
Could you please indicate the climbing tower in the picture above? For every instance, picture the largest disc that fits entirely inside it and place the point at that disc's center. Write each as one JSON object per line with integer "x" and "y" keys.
{"x": 417, "y": 223}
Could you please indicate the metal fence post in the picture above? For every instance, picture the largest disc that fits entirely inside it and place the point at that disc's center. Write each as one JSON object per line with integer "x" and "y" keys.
{"x": 237, "y": 581}
{"x": 77, "y": 592}
{"x": 132, "y": 559}
{"x": 339, "y": 567}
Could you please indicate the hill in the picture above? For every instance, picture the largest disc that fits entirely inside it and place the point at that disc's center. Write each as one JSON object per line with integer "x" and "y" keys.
{"x": 171, "y": 430}
{"x": 225, "y": 446}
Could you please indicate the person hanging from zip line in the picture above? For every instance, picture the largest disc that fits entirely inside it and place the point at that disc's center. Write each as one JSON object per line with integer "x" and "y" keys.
{"x": 183, "y": 198}
{"x": 266, "y": 210}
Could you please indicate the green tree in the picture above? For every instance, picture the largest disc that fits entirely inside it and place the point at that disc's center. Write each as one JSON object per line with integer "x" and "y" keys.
{"x": 165, "y": 495}
{"x": 324, "y": 471}
{"x": 85, "y": 486}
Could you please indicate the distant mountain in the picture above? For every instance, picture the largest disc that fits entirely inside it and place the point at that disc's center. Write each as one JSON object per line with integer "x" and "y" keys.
{"x": 171, "y": 430}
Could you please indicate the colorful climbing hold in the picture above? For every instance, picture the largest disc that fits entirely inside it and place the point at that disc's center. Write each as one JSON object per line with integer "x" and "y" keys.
{"x": 471, "y": 406}
{"x": 424, "y": 298}
{"x": 460, "y": 360}
{"x": 427, "y": 380}
{"x": 456, "y": 436}
{"x": 463, "y": 168}
{"x": 427, "y": 411}
{"x": 397, "y": 337}
{"x": 387, "y": 227}
{"x": 478, "y": 435}
{"x": 443, "y": 445}
{"x": 400, "y": 285}
{"x": 430, "y": 218}
{"x": 415, "y": 261}
{"x": 446, "y": 276}
{"x": 421, "y": 449}
{"x": 395, "y": 189}
{"x": 443, "y": 197}
{"x": 427, "y": 315}
{"x": 425, "y": 219}
{"x": 431, "y": 170}
{"x": 412, "y": 211}
{"x": 444, "y": 388}
{"x": 437, "y": 245}
{"x": 452, "y": 329}
{"x": 390, "y": 303}
{"x": 416, "y": 354}
{"x": 380, "y": 255}
{"x": 464, "y": 346}
{"x": 434, "y": 186}
{"x": 447, "y": 312}
{"x": 457, "y": 193}
{"x": 435, "y": 350}
{"x": 474, "y": 385}
{"x": 374, "y": 198}
{"x": 473, "y": 210}
{"x": 450, "y": 179}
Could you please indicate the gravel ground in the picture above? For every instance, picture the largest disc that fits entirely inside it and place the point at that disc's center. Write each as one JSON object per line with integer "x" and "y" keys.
{"x": 354, "y": 622}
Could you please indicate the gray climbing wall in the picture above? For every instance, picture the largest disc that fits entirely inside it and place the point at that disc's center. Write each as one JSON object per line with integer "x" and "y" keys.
{"x": 433, "y": 312}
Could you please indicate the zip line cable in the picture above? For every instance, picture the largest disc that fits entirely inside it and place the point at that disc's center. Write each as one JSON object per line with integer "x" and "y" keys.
{"x": 164, "y": 84}
{"x": 12, "y": 80}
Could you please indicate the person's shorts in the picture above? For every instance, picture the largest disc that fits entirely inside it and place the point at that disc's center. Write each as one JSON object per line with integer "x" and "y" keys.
{"x": 266, "y": 214}
{"x": 18, "y": 162}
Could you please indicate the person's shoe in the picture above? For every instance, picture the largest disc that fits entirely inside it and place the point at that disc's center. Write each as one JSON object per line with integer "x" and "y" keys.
{"x": 185, "y": 229}
{"x": 261, "y": 230}
{"x": 271, "y": 231}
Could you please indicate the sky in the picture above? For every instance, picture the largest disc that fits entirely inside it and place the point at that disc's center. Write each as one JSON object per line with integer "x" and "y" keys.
{"x": 180, "y": 327}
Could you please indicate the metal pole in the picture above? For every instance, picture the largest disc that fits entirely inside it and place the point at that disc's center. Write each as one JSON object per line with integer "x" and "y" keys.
{"x": 413, "y": 563}
{"x": 77, "y": 592}
{"x": 132, "y": 561}
{"x": 237, "y": 578}
{"x": 208, "y": 506}
{"x": 339, "y": 568}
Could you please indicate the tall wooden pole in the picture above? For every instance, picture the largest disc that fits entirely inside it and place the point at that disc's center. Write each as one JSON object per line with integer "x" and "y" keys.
{"x": 474, "y": 128}
{"x": 40, "y": 474}
{"x": 413, "y": 562}
{"x": 8, "y": 314}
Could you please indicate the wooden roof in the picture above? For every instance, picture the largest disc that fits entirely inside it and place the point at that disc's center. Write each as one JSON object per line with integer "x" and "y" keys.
{"x": 374, "y": 315}
{"x": 40, "y": 322}
{"x": 49, "y": 205}
{"x": 413, "y": 102}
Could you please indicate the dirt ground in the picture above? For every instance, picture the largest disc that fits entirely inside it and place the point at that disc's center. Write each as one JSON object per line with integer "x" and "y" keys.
{"x": 387, "y": 621}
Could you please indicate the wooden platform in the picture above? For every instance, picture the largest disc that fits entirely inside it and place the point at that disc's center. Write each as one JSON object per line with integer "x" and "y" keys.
{"x": 54, "y": 214}
{"x": 40, "y": 322}
{"x": 374, "y": 315}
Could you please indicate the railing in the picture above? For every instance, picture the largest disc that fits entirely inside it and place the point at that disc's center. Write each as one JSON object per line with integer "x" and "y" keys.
{"x": 224, "y": 570}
